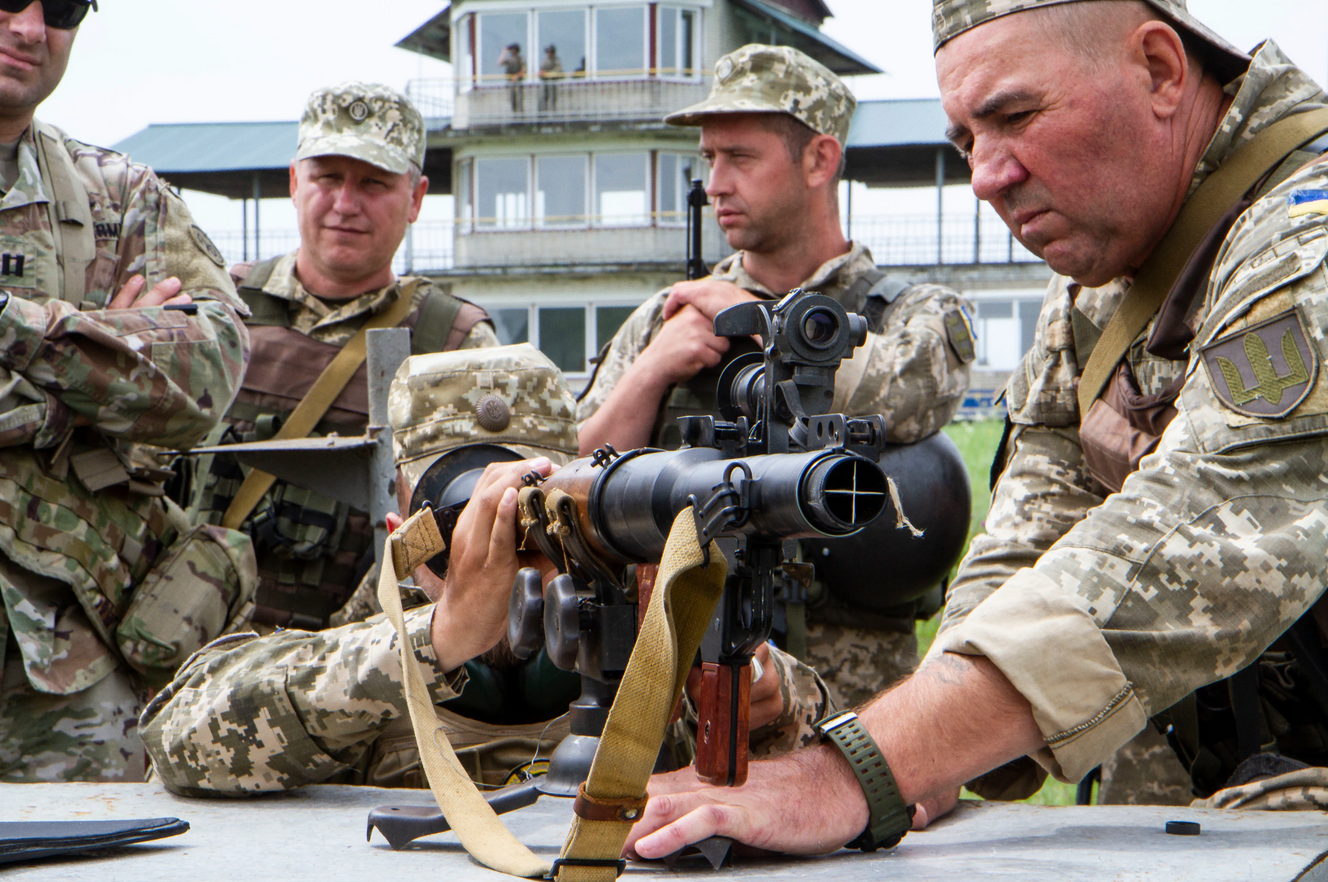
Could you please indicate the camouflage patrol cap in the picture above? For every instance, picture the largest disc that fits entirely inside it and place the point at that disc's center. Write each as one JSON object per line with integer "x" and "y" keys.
{"x": 364, "y": 121}
{"x": 950, "y": 18}
{"x": 775, "y": 79}
{"x": 510, "y": 396}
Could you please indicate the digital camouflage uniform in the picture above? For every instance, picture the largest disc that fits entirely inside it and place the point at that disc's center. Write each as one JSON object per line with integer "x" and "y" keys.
{"x": 1102, "y": 608}
{"x": 913, "y": 370}
{"x": 312, "y": 549}
{"x": 106, "y": 587}
{"x": 251, "y": 714}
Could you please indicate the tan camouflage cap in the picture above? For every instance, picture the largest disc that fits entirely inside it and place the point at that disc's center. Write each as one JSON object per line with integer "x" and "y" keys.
{"x": 364, "y": 121}
{"x": 950, "y": 18}
{"x": 775, "y": 79}
{"x": 511, "y": 396}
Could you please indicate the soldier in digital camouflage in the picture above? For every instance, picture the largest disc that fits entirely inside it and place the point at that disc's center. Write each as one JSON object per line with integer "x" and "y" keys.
{"x": 357, "y": 184}
{"x": 773, "y": 131}
{"x": 118, "y": 326}
{"x": 1156, "y": 541}
{"x": 251, "y": 714}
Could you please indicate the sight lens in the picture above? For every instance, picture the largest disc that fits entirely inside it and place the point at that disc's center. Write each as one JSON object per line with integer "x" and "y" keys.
{"x": 820, "y": 327}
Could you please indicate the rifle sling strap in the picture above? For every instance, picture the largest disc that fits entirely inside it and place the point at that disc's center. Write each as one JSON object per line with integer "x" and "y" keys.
{"x": 314, "y": 406}
{"x": 680, "y": 610}
{"x": 1214, "y": 197}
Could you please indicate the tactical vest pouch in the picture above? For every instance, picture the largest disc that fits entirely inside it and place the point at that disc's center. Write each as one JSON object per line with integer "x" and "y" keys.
{"x": 298, "y": 523}
{"x": 1123, "y": 426}
{"x": 201, "y": 587}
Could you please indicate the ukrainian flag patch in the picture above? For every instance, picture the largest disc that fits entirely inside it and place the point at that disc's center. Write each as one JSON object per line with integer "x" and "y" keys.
{"x": 1303, "y": 202}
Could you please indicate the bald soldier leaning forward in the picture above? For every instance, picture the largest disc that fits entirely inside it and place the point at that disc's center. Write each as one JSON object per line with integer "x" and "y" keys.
{"x": 252, "y": 714}
{"x": 1123, "y": 576}
{"x": 118, "y": 325}
{"x": 773, "y": 131}
{"x": 356, "y": 183}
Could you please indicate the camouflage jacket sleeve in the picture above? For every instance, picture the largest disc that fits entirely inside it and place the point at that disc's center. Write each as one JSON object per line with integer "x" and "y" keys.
{"x": 1216, "y": 544}
{"x": 152, "y": 375}
{"x": 480, "y": 336}
{"x": 249, "y": 714}
{"x": 910, "y": 372}
{"x": 632, "y": 338}
{"x": 805, "y": 700}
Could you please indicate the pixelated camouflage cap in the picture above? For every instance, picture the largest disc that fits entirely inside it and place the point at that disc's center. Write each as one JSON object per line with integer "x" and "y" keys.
{"x": 510, "y": 396}
{"x": 950, "y": 18}
{"x": 775, "y": 79}
{"x": 364, "y": 121}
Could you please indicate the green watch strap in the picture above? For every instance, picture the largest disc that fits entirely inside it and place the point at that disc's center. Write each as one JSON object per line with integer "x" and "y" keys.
{"x": 888, "y": 819}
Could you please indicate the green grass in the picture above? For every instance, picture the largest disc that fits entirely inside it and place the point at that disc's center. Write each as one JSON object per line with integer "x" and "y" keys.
{"x": 977, "y": 442}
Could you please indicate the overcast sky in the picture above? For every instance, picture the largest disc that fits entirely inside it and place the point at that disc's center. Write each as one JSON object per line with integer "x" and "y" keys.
{"x": 137, "y": 62}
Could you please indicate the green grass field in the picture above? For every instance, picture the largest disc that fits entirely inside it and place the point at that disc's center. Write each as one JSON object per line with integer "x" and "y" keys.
{"x": 977, "y": 442}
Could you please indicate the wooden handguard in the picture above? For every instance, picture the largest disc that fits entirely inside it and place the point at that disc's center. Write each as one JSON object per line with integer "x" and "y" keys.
{"x": 722, "y": 730}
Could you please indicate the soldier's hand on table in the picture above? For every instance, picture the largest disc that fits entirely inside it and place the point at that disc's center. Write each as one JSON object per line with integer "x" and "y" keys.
{"x": 774, "y": 811}
{"x": 164, "y": 293}
{"x": 710, "y": 297}
{"x": 470, "y": 615}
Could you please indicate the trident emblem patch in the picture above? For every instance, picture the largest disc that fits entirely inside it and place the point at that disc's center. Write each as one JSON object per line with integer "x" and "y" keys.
{"x": 1265, "y": 370}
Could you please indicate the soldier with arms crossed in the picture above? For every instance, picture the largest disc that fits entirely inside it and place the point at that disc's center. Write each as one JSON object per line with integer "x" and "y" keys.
{"x": 119, "y": 326}
{"x": 357, "y": 185}
{"x": 1120, "y": 572}
{"x": 773, "y": 131}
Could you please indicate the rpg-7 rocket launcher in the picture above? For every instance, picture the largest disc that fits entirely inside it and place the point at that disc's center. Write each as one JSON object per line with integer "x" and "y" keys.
{"x": 776, "y": 468}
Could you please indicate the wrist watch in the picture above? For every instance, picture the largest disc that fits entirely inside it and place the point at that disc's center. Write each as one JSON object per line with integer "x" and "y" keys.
{"x": 888, "y": 819}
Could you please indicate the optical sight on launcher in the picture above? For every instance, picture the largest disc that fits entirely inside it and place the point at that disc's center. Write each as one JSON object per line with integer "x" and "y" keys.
{"x": 778, "y": 468}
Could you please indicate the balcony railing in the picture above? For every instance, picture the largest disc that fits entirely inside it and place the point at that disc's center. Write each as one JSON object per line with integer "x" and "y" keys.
{"x": 894, "y": 240}
{"x": 625, "y": 96}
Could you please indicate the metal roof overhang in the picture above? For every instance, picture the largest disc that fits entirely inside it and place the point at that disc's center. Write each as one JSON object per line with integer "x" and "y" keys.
{"x": 891, "y": 144}
{"x": 226, "y": 158}
{"x": 894, "y": 144}
{"x": 433, "y": 38}
{"x": 801, "y": 35}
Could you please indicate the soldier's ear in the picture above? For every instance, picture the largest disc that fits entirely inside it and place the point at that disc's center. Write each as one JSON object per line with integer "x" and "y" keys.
{"x": 294, "y": 180}
{"x": 821, "y": 160}
{"x": 417, "y": 198}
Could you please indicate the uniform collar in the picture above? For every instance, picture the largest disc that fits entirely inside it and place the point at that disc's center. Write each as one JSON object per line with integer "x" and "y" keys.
{"x": 283, "y": 283}
{"x": 831, "y": 274}
{"x": 29, "y": 189}
{"x": 1269, "y": 90}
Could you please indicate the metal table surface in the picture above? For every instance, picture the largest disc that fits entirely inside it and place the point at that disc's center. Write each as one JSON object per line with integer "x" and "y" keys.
{"x": 318, "y": 834}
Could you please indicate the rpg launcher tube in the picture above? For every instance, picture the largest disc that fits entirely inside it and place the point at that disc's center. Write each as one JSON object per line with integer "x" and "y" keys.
{"x": 631, "y": 502}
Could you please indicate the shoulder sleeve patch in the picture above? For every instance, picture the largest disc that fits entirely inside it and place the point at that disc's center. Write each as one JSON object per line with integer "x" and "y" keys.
{"x": 1264, "y": 370}
{"x": 205, "y": 245}
{"x": 959, "y": 331}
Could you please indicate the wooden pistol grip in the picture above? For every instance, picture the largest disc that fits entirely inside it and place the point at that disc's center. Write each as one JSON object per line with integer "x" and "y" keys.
{"x": 724, "y": 712}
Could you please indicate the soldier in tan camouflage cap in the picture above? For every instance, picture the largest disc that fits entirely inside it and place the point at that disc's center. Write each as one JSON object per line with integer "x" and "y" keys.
{"x": 776, "y": 79}
{"x": 365, "y": 121}
{"x": 1154, "y": 550}
{"x": 510, "y": 396}
{"x": 950, "y": 18}
{"x": 357, "y": 185}
{"x": 350, "y": 723}
{"x": 774, "y": 129}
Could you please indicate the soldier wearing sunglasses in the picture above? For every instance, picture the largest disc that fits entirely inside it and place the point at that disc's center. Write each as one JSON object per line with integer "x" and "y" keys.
{"x": 119, "y": 326}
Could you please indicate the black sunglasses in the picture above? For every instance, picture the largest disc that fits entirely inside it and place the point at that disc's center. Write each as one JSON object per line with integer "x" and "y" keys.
{"x": 61, "y": 14}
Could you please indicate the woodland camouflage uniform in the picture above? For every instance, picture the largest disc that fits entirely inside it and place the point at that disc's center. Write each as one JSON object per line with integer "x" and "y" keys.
{"x": 913, "y": 369}
{"x": 311, "y": 549}
{"x": 1106, "y": 608}
{"x": 251, "y": 714}
{"x": 106, "y": 587}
